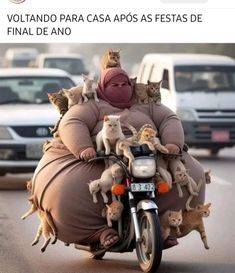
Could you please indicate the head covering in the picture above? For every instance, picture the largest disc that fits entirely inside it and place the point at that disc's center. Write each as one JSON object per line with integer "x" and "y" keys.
{"x": 115, "y": 87}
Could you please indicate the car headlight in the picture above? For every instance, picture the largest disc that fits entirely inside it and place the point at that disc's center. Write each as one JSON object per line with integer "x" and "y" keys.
{"x": 186, "y": 114}
{"x": 4, "y": 133}
{"x": 143, "y": 167}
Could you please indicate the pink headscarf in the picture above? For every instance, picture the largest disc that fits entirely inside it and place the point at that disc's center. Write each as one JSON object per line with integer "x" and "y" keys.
{"x": 115, "y": 87}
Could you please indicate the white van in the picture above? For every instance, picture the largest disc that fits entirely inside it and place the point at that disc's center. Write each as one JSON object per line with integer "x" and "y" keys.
{"x": 201, "y": 90}
{"x": 71, "y": 63}
{"x": 20, "y": 57}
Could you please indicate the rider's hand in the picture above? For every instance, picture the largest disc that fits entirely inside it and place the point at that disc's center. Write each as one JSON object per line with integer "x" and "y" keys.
{"x": 173, "y": 149}
{"x": 88, "y": 153}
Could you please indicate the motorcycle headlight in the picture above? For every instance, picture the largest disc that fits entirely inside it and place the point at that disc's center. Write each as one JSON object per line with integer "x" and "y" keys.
{"x": 186, "y": 114}
{"x": 143, "y": 167}
{"x": 4, "y": 133}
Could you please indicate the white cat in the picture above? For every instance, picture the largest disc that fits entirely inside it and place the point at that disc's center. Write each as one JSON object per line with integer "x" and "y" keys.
{"x": 113, "y": 175}
{"x": 88, "y": 90}
{"x": 110, "y": 134}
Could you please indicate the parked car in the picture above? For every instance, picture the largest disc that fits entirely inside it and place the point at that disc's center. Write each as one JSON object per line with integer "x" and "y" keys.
{"x": 201, "y": 90}
{"x": 71, "y": 63}
{"x": 26, "y": 114}
{"x": 20, "y": 57}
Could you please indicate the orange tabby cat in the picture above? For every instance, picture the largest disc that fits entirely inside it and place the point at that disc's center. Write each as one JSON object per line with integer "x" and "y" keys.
{"x": 110, "y": 59}
{"x": 113, "y": 212}
{"x": 170, "y": 219}
{"x": 46, "y": 228}
{"x": 149, "y": 137}
{"x": 193, "y": 220}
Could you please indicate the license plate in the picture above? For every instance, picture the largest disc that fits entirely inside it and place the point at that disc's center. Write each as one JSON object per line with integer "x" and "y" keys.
{"x": 220, "y": 136}
{"x": 34, "y": 150}
{"x": 142, "y": 187}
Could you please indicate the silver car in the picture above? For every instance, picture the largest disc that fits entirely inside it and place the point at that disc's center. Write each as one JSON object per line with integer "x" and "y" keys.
{"x": 26, "y": 114}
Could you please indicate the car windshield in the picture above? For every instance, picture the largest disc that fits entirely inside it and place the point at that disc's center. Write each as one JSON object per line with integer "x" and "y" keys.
{"x": 204, "y": 78}
{"x": 30, "y": 89}
{"x": 74, "y": 66}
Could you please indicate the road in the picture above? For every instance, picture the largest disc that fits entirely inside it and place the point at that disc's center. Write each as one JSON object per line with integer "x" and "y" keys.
{"x": 17, "y": 255}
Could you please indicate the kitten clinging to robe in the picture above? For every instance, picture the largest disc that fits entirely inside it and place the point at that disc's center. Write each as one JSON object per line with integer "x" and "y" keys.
{"x": 60, "y": 102}
{"x": 170, "y": 219}
{"x": 182, "y": 178}
{"x": 113, "y": 212}
{"x": 46, "y": 226}
{"x": 193, "y": 220}
{"x": 113, "y": 175}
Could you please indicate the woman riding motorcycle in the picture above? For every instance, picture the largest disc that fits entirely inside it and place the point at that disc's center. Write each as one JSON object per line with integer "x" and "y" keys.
{"x": 60, "y": 182}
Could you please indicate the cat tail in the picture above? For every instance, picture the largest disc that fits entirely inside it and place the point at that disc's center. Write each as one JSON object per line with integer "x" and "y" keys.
{"x": 187, "y": 206}
{"x": 133, "y": 131}
{"x": 142, "y": 129}
{"x": 199, "y": 185}
{"x": 52, "y": 225}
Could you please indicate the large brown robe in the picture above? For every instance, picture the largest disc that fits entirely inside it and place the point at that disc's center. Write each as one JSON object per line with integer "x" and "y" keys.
{"x": 60, "y": 180}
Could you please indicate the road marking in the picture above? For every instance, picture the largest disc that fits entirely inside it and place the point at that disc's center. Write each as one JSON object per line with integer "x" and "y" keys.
{"x": 220, "y": 181}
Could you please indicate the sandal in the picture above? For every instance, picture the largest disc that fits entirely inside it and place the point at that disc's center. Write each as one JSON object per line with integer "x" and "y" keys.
{"x": 170, "y": 242}
{"x": 108, "y": 238}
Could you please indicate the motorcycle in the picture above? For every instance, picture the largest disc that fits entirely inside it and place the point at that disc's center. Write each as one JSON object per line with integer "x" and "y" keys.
{"x": 139, "y": 227}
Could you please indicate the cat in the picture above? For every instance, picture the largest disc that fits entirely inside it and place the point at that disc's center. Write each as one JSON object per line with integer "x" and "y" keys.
{"x": 46, "y": 228}
{"x": 110, "y": 134}
{"x": 74, "y": 95}
{"x": 123, "y": 145}
{"x": 113, "y": 212}
{"x": 170, "y": 219}
{"x": 110, "y": 59}
{"x": 193, "y": 220}
{"x": 88, "y": 91}
{"x": 162, "y": 167}
{"x": 31, "y": 210}
{"x": 153, "y": 91}
{"x": 141, "y": 94}
{"x": 29, "y": 185}
{"x": 182, "y": 178}
{"x": 208, "y": 177}
{"x": 133, "y": 82}
{"x": 60, "y": 102}
{"x": 113, "y": 175}
{"x": 149, "y": 137}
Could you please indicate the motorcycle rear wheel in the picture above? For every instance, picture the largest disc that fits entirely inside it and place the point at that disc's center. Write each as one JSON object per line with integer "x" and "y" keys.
{"x": 149, "y": 249}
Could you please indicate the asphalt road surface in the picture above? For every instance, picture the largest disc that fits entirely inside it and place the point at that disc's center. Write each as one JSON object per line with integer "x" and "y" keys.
{"x": 18, "y": 256}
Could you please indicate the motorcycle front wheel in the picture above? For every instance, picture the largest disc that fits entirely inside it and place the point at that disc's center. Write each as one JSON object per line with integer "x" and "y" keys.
{"x": 149, "y": 249}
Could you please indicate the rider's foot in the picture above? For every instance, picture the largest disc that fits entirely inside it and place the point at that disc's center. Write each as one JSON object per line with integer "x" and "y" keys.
{"x": 170, "y": 242}
{"x": 108, "y": 238}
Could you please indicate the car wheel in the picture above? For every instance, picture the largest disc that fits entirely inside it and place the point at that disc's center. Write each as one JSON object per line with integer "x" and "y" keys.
{"x": 2, "y": 173}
